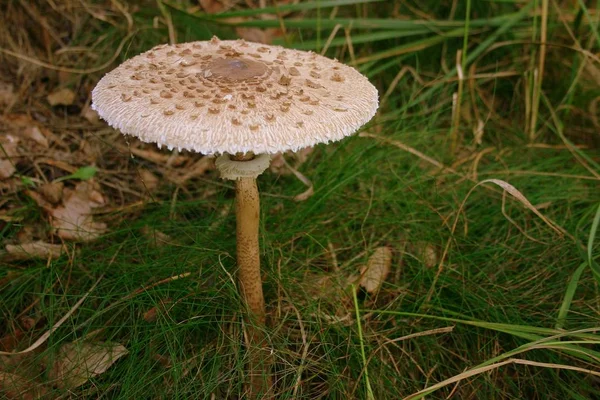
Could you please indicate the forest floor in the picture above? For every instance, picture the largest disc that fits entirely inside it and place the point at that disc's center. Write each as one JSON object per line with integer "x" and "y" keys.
{"x": 450, "y": 247}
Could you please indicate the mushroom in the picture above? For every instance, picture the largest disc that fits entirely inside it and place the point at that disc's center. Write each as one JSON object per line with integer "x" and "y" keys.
{"x": 242, "y": 102}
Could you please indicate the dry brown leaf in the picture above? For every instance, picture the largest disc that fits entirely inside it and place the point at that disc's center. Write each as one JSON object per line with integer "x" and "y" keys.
{"x": 39, "y": 199}
{"x": 39, "y": 249}
{"x": 23, "y": 126}
{"x": 77, "y": 362}
{"x": 211, "y": 6}
{"x": 430, "y": 256}
{"x": 52, "y": 191}
{"x": 8, "y": 150}
{"x": 157, "y": 237}
{"x": 255, "y": 35}
{"x": 61, "y": 97}
{"x": 149, "y": 180}
{"x": 7, "y": 169}
{"x": 28, "y": 233}
{"x": 34, "y": 133}
{"x": 90, "y": 115}
{"x": 7, "y": 94}
{"x": 377, "y": 269}
{"x": 427, "y": 253}
{"x": 10, "y": 341}
{"x": 28, "y": 323}
{"x": 73, "y": 220}
{"x": 152, "y": 314}
{"x": 8, "y": 145}
{"x": 13, "y": 386}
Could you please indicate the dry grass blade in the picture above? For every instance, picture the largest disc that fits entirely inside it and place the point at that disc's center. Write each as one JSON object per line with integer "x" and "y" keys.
{"x": 46, "y": 335}
{"x": 516, "y": 194}
{"x": 480, "y": 370}
{"x": 519, "y": 196}
{"x": 436, "y": 331}
{"x": 67, "y": 69}
{"x": 308, "y": 192}
{"x": 410, "y": 150}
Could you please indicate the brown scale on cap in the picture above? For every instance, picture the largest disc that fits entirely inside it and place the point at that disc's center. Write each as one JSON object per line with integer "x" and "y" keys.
{"x": 242, "y": 83}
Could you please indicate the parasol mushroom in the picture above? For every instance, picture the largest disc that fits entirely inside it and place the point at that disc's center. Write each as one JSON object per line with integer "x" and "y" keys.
{"x": 240, "y": 101}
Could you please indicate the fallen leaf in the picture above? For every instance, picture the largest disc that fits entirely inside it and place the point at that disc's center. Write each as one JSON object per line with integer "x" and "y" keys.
{"x": 27, "y": 233}
{"x": 90, "y": 115}
{"x": 211, "y": 6}
{"x": 61, "y": 97}
{"x": 52, "y": 191}
{"x": 28, "y": 323}
{"x": 149, "y": 180}
{"x": 9, "y": 145}
{"x": 254, "y": 35}
{"x": 8, "y": 150}
{"x": 429, "y": 255}
{"x": 7, "y": 169}
{"x": 7, "y": 94}
{"x": 25, "y": 127}
{"x": 152, "y": 314}
{"x": 157, "y": 237}
{"x": 39, "y": 249}
{"x": 39, "y": 199}
{"x": 73, "y": 220}
{"x": 34, "y": 133}
{"x": 14, "y": 386}
{"x": 9, "y": 342}
{"x": 377, "y": 269}
{"x": 77, "y": 362}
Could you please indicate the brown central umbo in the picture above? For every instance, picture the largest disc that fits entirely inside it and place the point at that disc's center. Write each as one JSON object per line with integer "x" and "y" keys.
{"x": 237, "y": 69}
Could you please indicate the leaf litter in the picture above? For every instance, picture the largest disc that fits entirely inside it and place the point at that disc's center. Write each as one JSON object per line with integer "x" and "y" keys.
{"x": 24, "y": 375}
{"x": 377, "y": 269}
{"x": 73, "y": 219}
{"x": 37, "y": 249}
{"x": 78, "y": 362}
{"x": 61, "y": 97}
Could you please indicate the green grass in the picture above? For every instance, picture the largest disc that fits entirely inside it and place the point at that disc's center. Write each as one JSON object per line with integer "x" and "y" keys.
{"x": 509, "y": 286}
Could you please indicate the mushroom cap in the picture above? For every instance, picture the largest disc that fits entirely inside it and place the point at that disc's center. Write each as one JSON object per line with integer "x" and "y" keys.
{"x": 232, "y": 96}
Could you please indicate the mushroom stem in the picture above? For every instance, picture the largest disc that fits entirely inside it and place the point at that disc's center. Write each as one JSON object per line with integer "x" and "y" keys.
{"x": 247, "y": 210}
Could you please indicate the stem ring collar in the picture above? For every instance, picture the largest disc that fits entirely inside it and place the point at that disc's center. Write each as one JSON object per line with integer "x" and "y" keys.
{"x": 235, "y": 170}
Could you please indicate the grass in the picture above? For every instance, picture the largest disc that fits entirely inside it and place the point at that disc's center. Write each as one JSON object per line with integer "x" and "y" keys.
{"x": 484, "y": 300}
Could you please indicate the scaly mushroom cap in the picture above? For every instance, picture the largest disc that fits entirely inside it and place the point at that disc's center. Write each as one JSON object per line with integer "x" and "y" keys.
{"x": 234, "y": 96}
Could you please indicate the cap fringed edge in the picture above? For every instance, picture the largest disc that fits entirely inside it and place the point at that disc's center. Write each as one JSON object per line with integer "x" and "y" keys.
{"x": 234, "y": 170}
